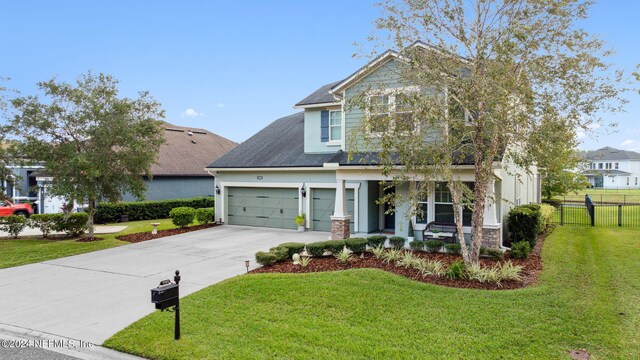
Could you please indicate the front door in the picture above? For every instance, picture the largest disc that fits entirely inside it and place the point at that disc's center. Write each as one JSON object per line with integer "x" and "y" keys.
{"x": 599, "y": 180}
{"x": 389, "y": 210}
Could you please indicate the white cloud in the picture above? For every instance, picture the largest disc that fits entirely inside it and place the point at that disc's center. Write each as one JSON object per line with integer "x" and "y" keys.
{"x": 633, "y": 145}
{"x": 191, "y": 113}
{"x": 220, "y": 105}
{"x": 581, "y": 134}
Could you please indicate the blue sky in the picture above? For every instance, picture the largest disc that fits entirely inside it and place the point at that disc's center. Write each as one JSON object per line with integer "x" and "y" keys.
{"x": 232, "y": 67}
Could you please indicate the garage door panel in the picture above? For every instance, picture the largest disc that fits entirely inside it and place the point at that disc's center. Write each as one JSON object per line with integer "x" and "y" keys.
{"x": 264, "y": 207}
{"x": 323, "y": 204}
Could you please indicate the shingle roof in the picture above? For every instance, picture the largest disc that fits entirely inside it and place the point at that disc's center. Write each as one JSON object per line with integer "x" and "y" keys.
{"x": 320, "y": 96}
{"x": 280, "y": 144}
{"x": 609, "y": 153}
{"x": 187, "y": 151}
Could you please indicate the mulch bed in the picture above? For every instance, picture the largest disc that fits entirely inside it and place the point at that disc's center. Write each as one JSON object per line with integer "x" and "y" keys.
{"x": 144, "y": 236}
{"x": 531, "y": 268}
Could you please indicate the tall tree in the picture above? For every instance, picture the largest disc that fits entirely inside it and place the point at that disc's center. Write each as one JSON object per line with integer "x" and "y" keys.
{"x": 6, "y": 174}
{"x": 94, "y": 144}
{"x": 488, "y": 73}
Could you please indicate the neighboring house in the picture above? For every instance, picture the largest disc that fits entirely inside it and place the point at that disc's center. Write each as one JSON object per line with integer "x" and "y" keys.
{"x": 611, "y": 168}
{"x": 299, "y": 164}
{"x": 179, "y": 171}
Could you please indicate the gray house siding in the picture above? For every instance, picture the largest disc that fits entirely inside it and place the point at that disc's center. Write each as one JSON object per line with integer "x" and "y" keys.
{"x": 312, "y": 133}
{"x": 176, "y": 187}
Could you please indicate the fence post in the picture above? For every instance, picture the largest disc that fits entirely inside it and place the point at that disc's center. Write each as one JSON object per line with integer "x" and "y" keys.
{"x": 619, "y": 215}
{"x": 561, "y": 214}
{"x": 593, "y": 216}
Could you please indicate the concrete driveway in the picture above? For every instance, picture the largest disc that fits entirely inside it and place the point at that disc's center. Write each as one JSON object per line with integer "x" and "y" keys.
{"x": 92, "y": 296}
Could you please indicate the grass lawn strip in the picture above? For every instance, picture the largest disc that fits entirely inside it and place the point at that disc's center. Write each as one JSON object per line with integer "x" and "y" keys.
{"x": 17, "y": 252}
{"x": 587, "y": 297}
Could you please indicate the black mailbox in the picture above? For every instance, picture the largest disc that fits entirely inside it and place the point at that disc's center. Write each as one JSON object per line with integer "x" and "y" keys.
{"x": 165, "y": 296}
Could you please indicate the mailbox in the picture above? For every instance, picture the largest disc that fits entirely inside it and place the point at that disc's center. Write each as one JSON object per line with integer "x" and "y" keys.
{"x": 165, "y": 296}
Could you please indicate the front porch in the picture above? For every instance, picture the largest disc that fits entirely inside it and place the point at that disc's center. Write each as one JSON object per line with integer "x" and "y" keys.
{"x": 393, "y": 219}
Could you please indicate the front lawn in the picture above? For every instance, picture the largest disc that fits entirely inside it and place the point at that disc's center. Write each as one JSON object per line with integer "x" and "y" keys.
{"x": 26, "y": 251}
{"x": 587, "y": 297}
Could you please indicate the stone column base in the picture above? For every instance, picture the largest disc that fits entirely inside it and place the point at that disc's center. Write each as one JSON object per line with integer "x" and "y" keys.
{"x": 340, "y": 227}
{"x": 491, "y": 237}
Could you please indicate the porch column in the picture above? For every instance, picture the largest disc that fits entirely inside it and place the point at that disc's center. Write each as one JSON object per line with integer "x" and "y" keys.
{"x": 491, "y": 226}
{"x": 340, "y": 221}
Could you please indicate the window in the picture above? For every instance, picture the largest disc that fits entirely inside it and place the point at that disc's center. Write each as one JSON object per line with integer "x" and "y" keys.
{"x": 628, "y": 179}
{"x": 422, "y": 216}
{"x": 335, "y": 125}
{"x": 600, "y": 166}
{"x": 383, "y": 105}
{"x": 608, "y": 166}
{"x": 443, "y": 205}
{"x": 617, "y": 165}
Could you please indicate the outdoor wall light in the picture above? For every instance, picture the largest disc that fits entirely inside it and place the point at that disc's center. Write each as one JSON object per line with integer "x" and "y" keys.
{"x": 217, "y": 190}
{"x": 303, "y": 191}
{"x": 246, "y": 264}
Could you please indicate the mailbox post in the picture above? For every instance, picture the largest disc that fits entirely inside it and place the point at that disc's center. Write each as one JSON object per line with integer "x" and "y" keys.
{"x": 166, "y": 295}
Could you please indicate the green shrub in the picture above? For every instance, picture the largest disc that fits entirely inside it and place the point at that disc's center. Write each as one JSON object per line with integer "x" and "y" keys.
{"x": 74, "y": 225}
{"x": 546, "y": 216}
{"x": 357, "y": 245}
{"x": 335, "y": 246}
{"x": 417, "y": 245}
{"x": 376, "y": 240}
{"x": 434, "y": 245}
{"x": 147, "y": 210}
{"x": 292, "y": 247}
{"x": 204, "y": 215}
{"x": 316, "y": 249}
{"x": 456, "y": 270}
{"x": 265, "y": 258}
{"x": 182, "y": 216}
{"x": 553, "y": 202}
{"x": 520, "y": 250}
{"x": 281, "y": 253}
{"x": 397, "y": 242}
{"x": 523, "y": 223}
{"x": 494, "y": 254}
{"x": 43, "y": 222}
{"x": 14, "y": 224}
{"x": 453, "y": 248}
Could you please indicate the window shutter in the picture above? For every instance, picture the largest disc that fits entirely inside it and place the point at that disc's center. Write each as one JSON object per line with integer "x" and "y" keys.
{"x": 324, "y": 126}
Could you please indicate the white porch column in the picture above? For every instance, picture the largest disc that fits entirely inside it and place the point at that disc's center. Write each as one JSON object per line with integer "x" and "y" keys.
{"x": 340, "y": 208}
{"x": 340, "y": 221}
{"x": 490, "y": 208}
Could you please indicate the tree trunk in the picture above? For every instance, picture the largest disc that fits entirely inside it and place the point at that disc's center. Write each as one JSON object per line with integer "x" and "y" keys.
{"x": 456, "y": 197}
{"x": 92, "y": 206}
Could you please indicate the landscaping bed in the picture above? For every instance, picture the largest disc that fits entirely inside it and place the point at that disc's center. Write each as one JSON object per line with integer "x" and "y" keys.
{"x": 144, "y": 236}
{"x": 531, "y": 268}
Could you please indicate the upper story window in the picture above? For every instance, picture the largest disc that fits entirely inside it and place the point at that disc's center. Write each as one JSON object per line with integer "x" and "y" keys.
{"x": 617, "y": 166}
{"x": 335, "y": 125}
{"x": 391, "y": 110}
{"x": 600, "y": 166}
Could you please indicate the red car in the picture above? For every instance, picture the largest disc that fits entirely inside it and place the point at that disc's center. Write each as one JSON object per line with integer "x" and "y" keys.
{"x": 7, "y": 208}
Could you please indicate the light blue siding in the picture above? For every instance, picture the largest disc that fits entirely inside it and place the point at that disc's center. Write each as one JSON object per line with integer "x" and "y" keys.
{"x": 312, "y": 134}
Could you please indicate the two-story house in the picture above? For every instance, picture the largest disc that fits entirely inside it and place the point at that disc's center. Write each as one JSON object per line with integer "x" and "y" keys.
{"x": 300, "y": 164}
{"x": 611, "y": 168}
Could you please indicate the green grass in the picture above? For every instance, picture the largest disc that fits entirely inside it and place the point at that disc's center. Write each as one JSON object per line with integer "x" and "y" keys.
{"x": 605, "y": 215}
{"x": 591, "y": 275}
{"x": 27, "y": 251}
{"x": 605, "y": 195}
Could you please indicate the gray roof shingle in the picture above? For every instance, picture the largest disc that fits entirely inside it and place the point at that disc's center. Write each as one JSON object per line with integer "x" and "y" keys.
{"x": 609, "y": 153}
{"x": 280, "y": 144}
{"x": 320, "y": 96}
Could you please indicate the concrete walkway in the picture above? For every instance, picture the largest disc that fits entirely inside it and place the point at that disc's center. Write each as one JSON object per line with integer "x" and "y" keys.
{"x": 92, "y": 296}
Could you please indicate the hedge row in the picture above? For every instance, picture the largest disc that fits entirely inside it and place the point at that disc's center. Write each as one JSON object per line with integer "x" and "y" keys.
{"x": 147, "y": 210}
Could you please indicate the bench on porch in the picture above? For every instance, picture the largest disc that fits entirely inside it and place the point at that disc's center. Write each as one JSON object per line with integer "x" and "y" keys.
{"x": 443, "y": 231}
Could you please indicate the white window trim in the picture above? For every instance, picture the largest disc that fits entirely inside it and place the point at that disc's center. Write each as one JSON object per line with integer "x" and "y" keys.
{"x": 335, "y": 141}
